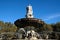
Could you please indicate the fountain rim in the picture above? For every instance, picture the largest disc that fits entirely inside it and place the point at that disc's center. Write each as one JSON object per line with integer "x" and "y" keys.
{"x": 29, "y": 20}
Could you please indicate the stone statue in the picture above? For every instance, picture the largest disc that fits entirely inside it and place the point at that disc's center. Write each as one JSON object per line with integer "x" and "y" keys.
{"x": 29, "y": 13}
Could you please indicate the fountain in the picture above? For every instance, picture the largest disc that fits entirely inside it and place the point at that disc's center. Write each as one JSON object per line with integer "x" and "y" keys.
{"x": 27, "y": 25}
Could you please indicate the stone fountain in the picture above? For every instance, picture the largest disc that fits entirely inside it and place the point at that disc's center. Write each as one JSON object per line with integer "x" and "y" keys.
{"x": 27, "y": 24}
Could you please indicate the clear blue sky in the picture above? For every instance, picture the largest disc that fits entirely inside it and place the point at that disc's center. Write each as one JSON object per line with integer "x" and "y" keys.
{"x": 47, "y": 10}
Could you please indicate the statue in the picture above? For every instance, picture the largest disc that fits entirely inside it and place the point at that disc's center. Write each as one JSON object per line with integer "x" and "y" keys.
{"x": 29, "y": 12}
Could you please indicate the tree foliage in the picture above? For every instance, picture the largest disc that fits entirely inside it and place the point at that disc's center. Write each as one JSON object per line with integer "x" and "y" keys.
{"x": 7, "y": 27}
{"x": 10, "y": 27}
{"x": 56, "y": 27}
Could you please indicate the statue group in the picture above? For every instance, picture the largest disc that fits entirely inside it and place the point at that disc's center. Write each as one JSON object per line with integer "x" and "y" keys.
{"x": 31, "y": 34}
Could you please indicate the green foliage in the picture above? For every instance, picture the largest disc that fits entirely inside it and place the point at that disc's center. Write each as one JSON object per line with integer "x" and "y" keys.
{"x": 47, "y": 27}
{"x": 7, "y": 27}
{"x": 56, "y": 27}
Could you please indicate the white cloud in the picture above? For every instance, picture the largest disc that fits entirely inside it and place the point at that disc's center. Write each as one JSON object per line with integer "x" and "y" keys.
{"x": 52, "y": 17}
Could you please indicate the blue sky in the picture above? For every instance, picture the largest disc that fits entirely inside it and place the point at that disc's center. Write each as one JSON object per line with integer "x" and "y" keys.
{"x": 47, "y": 10}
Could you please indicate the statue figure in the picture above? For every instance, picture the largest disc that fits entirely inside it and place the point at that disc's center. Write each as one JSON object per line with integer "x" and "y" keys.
{"x": 29, "y": 13}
